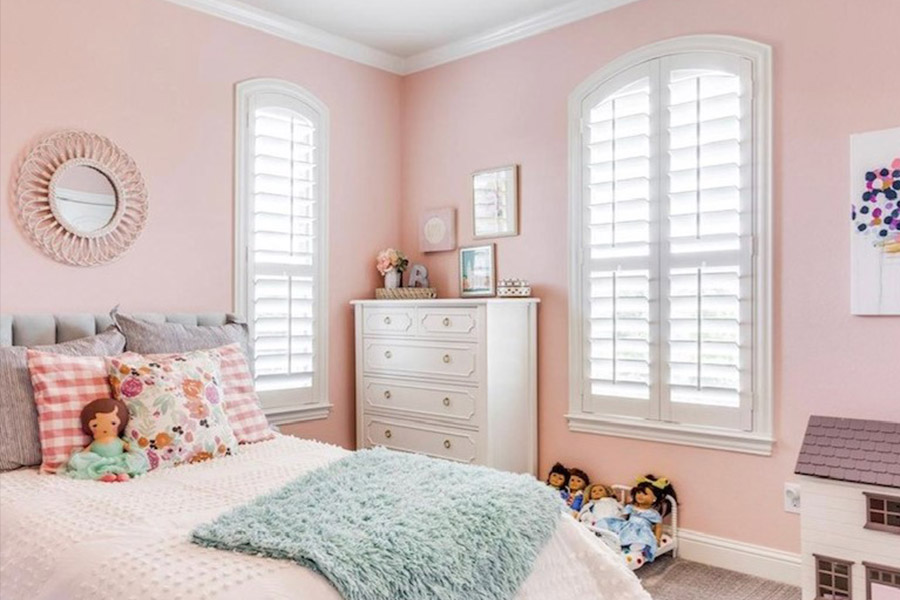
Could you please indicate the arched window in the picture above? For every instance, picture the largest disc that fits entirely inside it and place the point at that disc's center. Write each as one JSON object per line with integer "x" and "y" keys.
{"x": 670, "y": 168}
{"x": 281, "y": 222}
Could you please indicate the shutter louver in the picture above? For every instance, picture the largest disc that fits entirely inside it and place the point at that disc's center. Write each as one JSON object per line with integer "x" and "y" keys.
{"x": 618, "y": 235}
{"x": 283, "y": 248}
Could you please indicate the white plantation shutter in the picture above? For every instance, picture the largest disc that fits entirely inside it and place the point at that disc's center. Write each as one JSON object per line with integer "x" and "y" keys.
{"x": 666, "y": 242}
{"x": 619, "y": 231}
{"x": 707, "y": 248}
{"x": 283, "y": 265}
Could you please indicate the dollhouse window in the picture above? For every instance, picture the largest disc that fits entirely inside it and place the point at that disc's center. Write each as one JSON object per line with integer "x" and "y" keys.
{"x": 882, "y": 512}
{"x": 882, "y": 583}
{"x": 670, "y": 205}
{"x": 281, "y": 263}
{"x": 833, "y": 579}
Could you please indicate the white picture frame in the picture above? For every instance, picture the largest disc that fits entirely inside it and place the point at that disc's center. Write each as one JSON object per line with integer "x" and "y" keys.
{"x": 477, "y": 271}
{"x": 495, "y": 202}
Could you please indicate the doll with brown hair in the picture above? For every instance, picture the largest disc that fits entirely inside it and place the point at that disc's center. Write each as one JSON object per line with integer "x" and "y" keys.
{"x": 578, "y": 480}
{"x": 107, "y": 457}
{"x": 558, "y": 479}
{"x": 600, "y": 503}
{"x": 640, "y": 526}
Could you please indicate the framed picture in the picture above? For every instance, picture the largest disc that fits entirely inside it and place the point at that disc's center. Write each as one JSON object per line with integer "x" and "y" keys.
{"x": 477, "y": 268}
{"x": 875, "y": 222}
{"x": 437, "y": 230}
{"x": 495, "y": 202}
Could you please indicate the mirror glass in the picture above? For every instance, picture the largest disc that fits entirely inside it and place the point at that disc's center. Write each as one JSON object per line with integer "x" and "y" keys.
{"x": 495, "y": 202}
{"x": 85, "y": 198}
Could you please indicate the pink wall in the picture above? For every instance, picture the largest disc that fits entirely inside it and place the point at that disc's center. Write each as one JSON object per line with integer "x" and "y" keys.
{"x": 509, "y": 106}
{"x": 159, "y": 81}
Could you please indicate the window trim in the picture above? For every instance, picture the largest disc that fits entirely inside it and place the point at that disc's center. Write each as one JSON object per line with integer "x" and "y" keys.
{"x": 760, "y": 440}
{"x": 244, "y": 92}
{"x": 872, "y": 568}
{"x": 870, "y": 524}
{"x": 818, "y": 558}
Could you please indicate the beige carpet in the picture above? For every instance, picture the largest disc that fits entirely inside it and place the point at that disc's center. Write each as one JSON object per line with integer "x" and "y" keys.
{"x": 676, "y": 579}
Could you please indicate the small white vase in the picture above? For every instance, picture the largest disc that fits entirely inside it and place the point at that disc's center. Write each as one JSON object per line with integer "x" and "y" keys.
{"x": 392, "y": 279}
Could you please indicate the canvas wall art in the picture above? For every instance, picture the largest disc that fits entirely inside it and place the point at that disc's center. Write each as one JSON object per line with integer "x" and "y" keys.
{"x": 875, "y": 222}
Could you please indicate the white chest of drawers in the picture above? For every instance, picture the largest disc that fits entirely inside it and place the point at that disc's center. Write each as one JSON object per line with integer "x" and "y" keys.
{"x": 454, "y": 379}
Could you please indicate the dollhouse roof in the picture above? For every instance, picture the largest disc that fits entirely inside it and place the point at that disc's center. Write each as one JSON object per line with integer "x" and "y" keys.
{"x": 852, "y": 450}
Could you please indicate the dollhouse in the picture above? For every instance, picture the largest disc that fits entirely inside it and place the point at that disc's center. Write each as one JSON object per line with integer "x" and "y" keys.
{"x": 850, "y": 514}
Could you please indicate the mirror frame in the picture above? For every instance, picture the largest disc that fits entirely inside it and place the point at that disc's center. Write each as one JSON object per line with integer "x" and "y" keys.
{"x": 513, "y": 204}
{"x": 39, "y": 215}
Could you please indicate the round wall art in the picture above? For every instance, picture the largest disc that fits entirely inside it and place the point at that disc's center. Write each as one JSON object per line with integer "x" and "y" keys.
{"x": 80, "y": 198}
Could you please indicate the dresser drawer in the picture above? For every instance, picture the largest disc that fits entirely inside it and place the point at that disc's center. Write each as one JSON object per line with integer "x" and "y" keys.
{"x": 439, "y": 442}
{"x": 389, "y": 321}
{"x": 444, "y": 402}
{"x": 449, "y": 323}
{"x": 423, "y": 359}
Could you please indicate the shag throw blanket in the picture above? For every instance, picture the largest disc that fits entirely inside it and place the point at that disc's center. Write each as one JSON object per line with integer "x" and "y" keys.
{"x": 383, "y": 525}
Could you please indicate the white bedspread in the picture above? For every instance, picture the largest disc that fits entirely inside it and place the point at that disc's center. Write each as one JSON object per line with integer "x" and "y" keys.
{"x": 62, "y": 538}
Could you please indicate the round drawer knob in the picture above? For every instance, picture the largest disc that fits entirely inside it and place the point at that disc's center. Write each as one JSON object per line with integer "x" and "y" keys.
{"x": 387, "y": 394}
{"x": 446, "y": 358}
{"x": 447, "y": 444}
{"x": 387, "y": 320}
{"x": 387, "y": 433}
{"x": 446, "y": 401}
{"x": 387, "y": 354}
{"x": 446, "y": 321}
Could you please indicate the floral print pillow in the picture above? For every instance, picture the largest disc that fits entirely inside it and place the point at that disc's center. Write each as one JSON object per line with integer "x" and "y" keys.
{"x": 175, "y": 404}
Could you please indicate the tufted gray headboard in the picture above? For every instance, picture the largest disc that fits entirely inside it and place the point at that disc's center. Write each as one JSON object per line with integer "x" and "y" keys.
{"x": 34, "y": 330}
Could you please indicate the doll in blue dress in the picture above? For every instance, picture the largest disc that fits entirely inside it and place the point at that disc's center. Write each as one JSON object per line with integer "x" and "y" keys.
{"x": 108, "y": 456}
{"x": 639, "y": 526}
{"x": 558, "y": 479}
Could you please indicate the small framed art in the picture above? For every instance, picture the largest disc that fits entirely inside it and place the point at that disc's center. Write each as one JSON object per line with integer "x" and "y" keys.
{"x": 495, "y": 202}
{"x": 477, "y": 267}
{"x": 437, "y": 230}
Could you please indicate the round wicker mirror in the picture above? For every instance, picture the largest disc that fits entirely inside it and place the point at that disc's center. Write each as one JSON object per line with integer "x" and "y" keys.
{"x": 80, "y": 198}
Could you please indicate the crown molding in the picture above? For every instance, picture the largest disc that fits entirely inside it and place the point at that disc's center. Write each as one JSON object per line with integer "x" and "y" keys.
{"x": 295, "y": 31}
{"x": 313, "y": 37}
{"x": 511, "y": 32}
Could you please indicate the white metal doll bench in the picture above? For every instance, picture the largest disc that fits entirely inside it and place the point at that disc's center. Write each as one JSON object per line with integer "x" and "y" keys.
{"x": 669, "y": 541}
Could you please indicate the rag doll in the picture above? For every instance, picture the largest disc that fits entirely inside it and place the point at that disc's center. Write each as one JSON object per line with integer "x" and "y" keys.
{"x": 640, "y": 526}
{"x": 578, "y": 480}
{"x": 107, "y": 457}
{"x": 558, "y": 479}
{"x": 601, "y": 503}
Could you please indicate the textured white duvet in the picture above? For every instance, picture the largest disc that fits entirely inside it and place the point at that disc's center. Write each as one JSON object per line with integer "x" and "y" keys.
{"x": 61, "y": 538}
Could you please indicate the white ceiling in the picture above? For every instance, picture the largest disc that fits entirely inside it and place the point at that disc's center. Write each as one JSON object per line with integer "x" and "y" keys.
{"x": 403, "y": 36}
{"x": 405, "y": 27}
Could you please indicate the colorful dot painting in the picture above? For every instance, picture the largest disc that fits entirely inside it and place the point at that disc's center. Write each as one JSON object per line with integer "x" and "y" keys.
{"x": 878, "y": 214}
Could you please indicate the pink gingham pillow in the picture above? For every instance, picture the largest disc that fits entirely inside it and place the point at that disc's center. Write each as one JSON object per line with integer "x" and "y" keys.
{"x": 241, "y": 403}
{"x": 63, "y": 385}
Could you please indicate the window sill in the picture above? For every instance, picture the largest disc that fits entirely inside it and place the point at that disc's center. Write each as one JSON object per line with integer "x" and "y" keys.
{"x": 295, "y": 414}
{"x": 668, "y": 433}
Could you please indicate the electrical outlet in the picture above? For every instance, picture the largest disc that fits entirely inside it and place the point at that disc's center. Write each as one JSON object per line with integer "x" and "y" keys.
{"x": 792, "y": 497}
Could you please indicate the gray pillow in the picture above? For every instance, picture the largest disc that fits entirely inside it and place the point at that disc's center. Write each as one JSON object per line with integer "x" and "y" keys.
{"x": 20, "y": 442}
{"x": 145, "y": 337}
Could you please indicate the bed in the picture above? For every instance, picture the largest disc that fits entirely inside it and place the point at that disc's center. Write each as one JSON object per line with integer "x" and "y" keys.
{"x": 65, "y": 538}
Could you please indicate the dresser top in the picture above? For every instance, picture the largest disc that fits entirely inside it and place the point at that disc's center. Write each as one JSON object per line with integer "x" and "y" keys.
{"x": 447, "y": 301}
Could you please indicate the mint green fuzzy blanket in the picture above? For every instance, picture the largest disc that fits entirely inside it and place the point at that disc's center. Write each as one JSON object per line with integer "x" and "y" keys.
{"x": 383, "y": 525}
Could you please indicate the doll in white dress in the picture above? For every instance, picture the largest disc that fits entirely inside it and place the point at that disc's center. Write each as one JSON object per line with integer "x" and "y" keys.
{"x": 601, "y": 504}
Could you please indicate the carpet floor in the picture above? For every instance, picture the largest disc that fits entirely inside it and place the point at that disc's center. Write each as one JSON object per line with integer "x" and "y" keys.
{"x": 676, "y": 579}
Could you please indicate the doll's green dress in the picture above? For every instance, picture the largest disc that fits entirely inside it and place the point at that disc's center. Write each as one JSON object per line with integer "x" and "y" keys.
{"x": 105, "y": 458}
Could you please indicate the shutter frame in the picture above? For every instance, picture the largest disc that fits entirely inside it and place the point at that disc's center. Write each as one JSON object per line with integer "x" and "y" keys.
{"x": 289, "y": 402}
{"x": 756, "y": 419}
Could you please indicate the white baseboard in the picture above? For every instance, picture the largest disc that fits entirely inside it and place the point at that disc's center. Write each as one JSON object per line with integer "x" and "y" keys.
{"x": 760, "y": 561}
